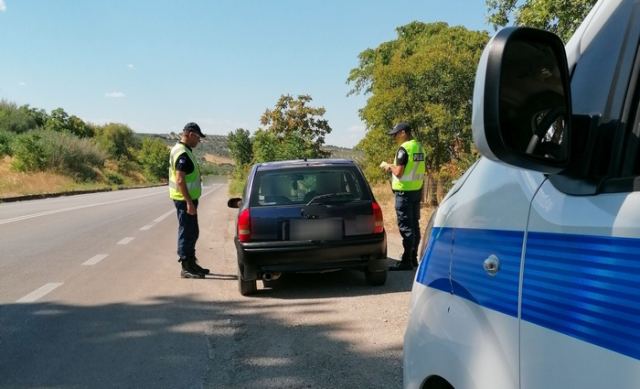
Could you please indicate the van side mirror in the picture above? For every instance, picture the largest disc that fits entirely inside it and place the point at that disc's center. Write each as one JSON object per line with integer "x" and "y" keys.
{"x": 234, "y": 202}
{"x": 522, "y": 100}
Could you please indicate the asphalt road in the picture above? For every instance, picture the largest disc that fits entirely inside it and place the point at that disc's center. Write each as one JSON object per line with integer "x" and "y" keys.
{"x": 90, "y": 296}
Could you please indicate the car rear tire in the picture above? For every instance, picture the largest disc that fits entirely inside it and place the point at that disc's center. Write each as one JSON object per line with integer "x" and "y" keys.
{"x": 376, "y": 278}
{"x": 246, "y": 287}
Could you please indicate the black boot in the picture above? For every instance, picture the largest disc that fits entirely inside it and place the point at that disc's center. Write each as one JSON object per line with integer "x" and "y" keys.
{"x": 402, "y": 266}
{"x": 198, "y": 268}
{"x": 187, "y": 269}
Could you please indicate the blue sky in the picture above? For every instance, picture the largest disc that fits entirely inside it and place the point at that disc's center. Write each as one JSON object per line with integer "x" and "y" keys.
{"x": 155, "y": 65}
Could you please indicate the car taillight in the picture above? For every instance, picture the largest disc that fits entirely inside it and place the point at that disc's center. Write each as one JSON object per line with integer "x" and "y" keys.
{"x": 244, "y": 226}
{"x": 378, "y": 222}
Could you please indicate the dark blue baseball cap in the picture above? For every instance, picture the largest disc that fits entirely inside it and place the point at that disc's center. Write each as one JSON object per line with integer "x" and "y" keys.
{"x": 193, "y": 127}
{"x": 399, "y": 127}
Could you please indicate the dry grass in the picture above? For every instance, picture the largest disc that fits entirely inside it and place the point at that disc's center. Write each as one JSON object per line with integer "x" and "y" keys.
{"x": 14, "y": 183}
{"x": 386, "y": 199}
{"x": 218, "y": 159}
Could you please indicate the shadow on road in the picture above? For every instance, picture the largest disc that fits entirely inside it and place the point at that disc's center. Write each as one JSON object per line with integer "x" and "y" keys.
{"x": 345, "y": 283}
{"x": 162, "y": 343}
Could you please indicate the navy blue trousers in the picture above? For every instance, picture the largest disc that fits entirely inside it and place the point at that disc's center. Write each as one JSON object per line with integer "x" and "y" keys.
{"x": 188, "y": 230}
{"x": 408, "y": 213}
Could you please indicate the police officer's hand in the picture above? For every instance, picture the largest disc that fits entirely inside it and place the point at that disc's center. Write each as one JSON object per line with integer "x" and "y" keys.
{"x": 191, "y": 208}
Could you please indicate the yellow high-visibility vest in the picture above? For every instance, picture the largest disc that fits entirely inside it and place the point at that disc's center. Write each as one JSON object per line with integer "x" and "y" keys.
{"x": 193, "y": 181}
{"x": 413, "y": 176}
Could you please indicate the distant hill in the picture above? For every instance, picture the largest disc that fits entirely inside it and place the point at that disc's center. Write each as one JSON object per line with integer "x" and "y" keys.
{"x": 216, "y": 145}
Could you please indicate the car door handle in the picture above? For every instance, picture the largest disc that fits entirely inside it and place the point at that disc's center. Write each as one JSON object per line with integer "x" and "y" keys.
{"x": 491, "y": 265}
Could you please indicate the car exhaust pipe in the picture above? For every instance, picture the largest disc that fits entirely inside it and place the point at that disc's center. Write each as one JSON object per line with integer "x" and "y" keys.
{"x": 271, "y": 276}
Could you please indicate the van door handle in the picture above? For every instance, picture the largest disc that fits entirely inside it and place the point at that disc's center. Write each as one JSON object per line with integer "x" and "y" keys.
{"x": 491, "y": 265}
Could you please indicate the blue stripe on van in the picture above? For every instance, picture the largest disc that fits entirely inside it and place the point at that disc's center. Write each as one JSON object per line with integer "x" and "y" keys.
{"x": 471, "y": 249}
{"x": 587, "y": 287}
{"x": 434, "y": 268}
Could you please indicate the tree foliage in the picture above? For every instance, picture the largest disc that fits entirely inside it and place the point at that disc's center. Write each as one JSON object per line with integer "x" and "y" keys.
{"x": 239, "y": 143}
{"x": 154, "y": 158}
{"x": 424, "y": 77}
{"x": 559, "y": 16}
{"x": 60, "y": 121}
{"x": 20, "y": 119}
{"x": 293, "y": 128}
{"x": 118, "y": 140}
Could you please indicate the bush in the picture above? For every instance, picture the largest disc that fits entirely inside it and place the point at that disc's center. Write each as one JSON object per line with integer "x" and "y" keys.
{"x": 5, "y": 142}
{"x": 28, "y": 152}
{"x": 117, "y": 140}
{"x": 59, "y": 152}
{"x": 154, "y": 158}
{"x": 114, "y": 178}
{"x": 238, "y": 180}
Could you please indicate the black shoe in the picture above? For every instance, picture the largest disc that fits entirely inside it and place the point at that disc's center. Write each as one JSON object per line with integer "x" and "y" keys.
{"x": 414, "y": 262}
{"x": 188, "y": 274}
{"x": 197, "y": 268}
{"x": 187, "y": 269}
{"x": 401, "y": 267}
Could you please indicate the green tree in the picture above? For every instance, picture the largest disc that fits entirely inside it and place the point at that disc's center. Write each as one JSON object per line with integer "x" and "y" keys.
{"x": 20, "y": 119}
{"x": 298, "y": 130}
{"x": 60, "y": 121}
{"x": 240, "y": 148}
{"x": 559, "y": 16}
{"x": 154, "y": 158}
{"x": 118, "y": 140}
{"x": 57, "y": 121}
{"x": 422, "y": 77}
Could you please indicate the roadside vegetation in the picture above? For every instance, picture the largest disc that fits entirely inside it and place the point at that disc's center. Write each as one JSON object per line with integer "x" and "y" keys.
{"x": 53, "y": 152}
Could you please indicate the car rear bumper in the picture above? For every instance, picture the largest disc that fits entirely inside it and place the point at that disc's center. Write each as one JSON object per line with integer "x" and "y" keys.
{"x": 368, "y": 252}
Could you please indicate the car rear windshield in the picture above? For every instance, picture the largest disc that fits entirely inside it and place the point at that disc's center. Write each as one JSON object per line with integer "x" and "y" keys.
{"x": 311, "y": 184}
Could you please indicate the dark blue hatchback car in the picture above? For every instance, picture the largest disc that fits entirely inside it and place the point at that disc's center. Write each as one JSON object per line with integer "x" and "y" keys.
{"x": 305, "y": 216}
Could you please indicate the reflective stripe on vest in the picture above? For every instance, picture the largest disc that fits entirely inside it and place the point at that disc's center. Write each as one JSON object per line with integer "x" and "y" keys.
{"x": 194, "y": 184}
{"x": 413, "y": 176}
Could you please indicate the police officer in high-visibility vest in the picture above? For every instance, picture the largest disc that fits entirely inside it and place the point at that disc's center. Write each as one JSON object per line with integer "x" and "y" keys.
{"x": 185, "y": 188}
{"x": 407, "y": 176}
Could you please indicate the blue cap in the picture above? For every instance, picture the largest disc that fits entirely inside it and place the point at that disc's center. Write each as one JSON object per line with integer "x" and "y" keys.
{"x": 193, "y": 127}
{"x": 399, "y": 127}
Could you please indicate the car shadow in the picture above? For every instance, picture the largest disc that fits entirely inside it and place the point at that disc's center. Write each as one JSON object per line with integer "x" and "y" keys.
{"x": 224, "y": 277}
{"x": 343, "y": 283}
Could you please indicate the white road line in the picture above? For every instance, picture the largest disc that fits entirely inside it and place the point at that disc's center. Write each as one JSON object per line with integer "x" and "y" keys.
{"x": 39, "y": 293}
{"x": 147, "y": 227}
{"x": 164, "y": 216}
{"x": 126, "y": 240}
{"x": 95, "y": 259}
{"x": 54, "y": 211}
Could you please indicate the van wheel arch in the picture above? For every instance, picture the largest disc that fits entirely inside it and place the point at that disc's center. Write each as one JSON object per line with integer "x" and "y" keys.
{"x": 436, "y": 382}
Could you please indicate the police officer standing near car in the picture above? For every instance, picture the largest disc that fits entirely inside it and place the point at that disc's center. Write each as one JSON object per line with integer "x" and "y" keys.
{"x": 407, "y": 177}
{"x": 185, "y": 188}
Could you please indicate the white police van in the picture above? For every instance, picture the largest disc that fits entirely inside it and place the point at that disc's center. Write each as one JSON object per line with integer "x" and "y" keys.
{"x": 531, "y": 274}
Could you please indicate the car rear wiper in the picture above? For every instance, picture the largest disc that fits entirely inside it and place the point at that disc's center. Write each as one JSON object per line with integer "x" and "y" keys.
{"x": 331, "y": 196}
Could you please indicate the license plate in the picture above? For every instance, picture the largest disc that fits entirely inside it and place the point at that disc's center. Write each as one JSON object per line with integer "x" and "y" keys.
{"x": 316, "y": 229}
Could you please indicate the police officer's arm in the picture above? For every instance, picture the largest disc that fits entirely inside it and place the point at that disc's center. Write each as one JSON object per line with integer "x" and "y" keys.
{"x": 401, "y": 161}
{"x": 181, "y": 181}
{"x": 397, "y": 170}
